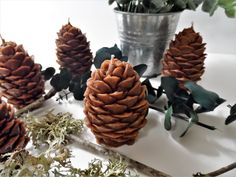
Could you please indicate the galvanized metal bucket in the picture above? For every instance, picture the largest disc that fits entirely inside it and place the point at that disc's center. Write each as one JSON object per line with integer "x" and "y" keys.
{"x": 144, "y": 37}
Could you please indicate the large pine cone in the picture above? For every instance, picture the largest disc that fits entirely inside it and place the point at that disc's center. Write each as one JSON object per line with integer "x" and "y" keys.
{"x": 115, "y": 103}
{"x": 185, "y": 57}
{"x": 73, "y": 50}
{"x": 21, "y": 81}
{"x": 12, "y": 134}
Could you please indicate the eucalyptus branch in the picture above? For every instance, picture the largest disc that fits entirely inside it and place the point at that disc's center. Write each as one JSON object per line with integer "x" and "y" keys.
{"x": 103, "y": 151}
{"x": 182, "y": 118}
{"x": 217, "y": 172}
{"x": 37, "y": 103}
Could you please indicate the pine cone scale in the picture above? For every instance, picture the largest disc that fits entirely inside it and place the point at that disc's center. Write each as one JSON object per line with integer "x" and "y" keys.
{"x": 19, "y": 74}
{"x": 184, "y": 60}
{"x": 73, "y": 51}
{"x": 12, "y": 134}
{"x": 115, "y": 103}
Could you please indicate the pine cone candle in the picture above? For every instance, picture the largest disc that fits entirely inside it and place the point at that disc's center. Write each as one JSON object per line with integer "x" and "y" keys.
{"x": 73, "y": 50}
{"x": 21, "y": 81}
{"x": 12, "y": 134}
{"x": 115, "y": 103}
{"x": 185, "y": 57}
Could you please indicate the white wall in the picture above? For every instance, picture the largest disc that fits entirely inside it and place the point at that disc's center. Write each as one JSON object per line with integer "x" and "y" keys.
{"x": 35, "y": 23}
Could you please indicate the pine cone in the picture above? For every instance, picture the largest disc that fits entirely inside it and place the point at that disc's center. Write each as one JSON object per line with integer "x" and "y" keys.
{"x": 21, "y": 81}
{"x": 185, "y": 57}
{"x": 73, "y": 50}
{"x": 115, "y": 103}
{"x": 12, "y": 134}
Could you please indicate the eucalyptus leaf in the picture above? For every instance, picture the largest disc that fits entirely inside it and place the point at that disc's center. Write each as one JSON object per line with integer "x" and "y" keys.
{"x": 187, "y": 129}
{"x": 198, "y": 2}
{"x": 62, "y": 80}
{"x": 180, "y": 4}
{"x": 210, "y": 6}
{"x": 124, "y": 58}
{"x": 207, "y": 99}
{"x": 200, "y": 109}
{"x": 151, "y": 97}
{"x": 101, "y": 55}
{"x": 78, "y": 91}
{"x": 106, "y": 53}
{"x": 157, "y": 5}
{"x": 193, "y": 119}
{"x": 191, "y": 5}
{"x": 159, "y": 92}
{"x": 110, "y": 2}
{"x": 230, "y": 12}
{"x": 168, "y": 115}
{"x": 140, "y": 69}
{"x": 147, "y": 3}
{"x": 230, "y": 119}
{"x": 115, "y": 51}
{"x": 233, "y": 109}
{"x": 48, "y": 73}
{"x": 123, "y": 1}
{"x": 170, "y": 85}
{"x": 85, "y": 77}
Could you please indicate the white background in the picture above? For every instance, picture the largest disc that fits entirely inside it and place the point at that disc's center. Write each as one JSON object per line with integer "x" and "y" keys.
{"x": 35, "y": 23}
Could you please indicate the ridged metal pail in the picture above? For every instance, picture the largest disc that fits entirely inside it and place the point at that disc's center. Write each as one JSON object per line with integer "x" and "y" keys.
{"x": 144, "y": 37}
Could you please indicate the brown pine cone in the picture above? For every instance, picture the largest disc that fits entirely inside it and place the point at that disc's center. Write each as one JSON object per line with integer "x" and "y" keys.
{"x": 12, "y": 135}
{"x": 185, "y": 57}
{"x": 73, "y": 50}
{"x": 21, "y": 81}
{"x": 115, "y": 103}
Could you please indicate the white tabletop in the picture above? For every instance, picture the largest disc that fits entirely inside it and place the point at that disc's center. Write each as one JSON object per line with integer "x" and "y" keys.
{"x": 199, "y": 150}
{"x": 35, "y": 23}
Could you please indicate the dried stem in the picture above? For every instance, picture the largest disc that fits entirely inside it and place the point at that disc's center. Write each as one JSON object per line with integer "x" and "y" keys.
{"x": 103, "y": 151}
{"x": 37, "y": 103}
{"x": 217, "y": 172}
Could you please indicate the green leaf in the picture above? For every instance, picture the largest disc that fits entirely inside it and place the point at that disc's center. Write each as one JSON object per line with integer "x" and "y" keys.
{"x": 105, "y": 53}
{"x": 85, "y": 77}
{"x": 78, "y": 92}
{"x": 198, "y": 2}
{"x": 233, "y": 109}
{"x": 124, "y": 58}
{"x": 210, "y": 6}
{"x": 230, "y": 12}
{"x": 167, "y": 8}
{"x": 101, "y": 55}
{"x": 168, "y": 115}
{"x": 180, "y": 3}
{"x": 230, "y": 119}
{"x": 147, "y": 3}
{"x": 48, "y": 73}
{"x": 140, "y": 69}
{"x": 193, "y": 119}
{"x": 191, "y": 5}
{"x": 115, "y": 51}
{"x": 156, "y": 5}
{"x": 151, "y": 97}
{"x": 207, "y": 99}
{"x": 110, "y": 2}
{"x": 123, "y": 1}
{"x": 62, "y": 80}
{"x": 170, "y": 85}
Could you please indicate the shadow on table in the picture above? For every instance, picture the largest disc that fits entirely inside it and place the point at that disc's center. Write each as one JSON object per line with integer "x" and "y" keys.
{"x": 206, "y": 142}
{"x": 153, "y": 120}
